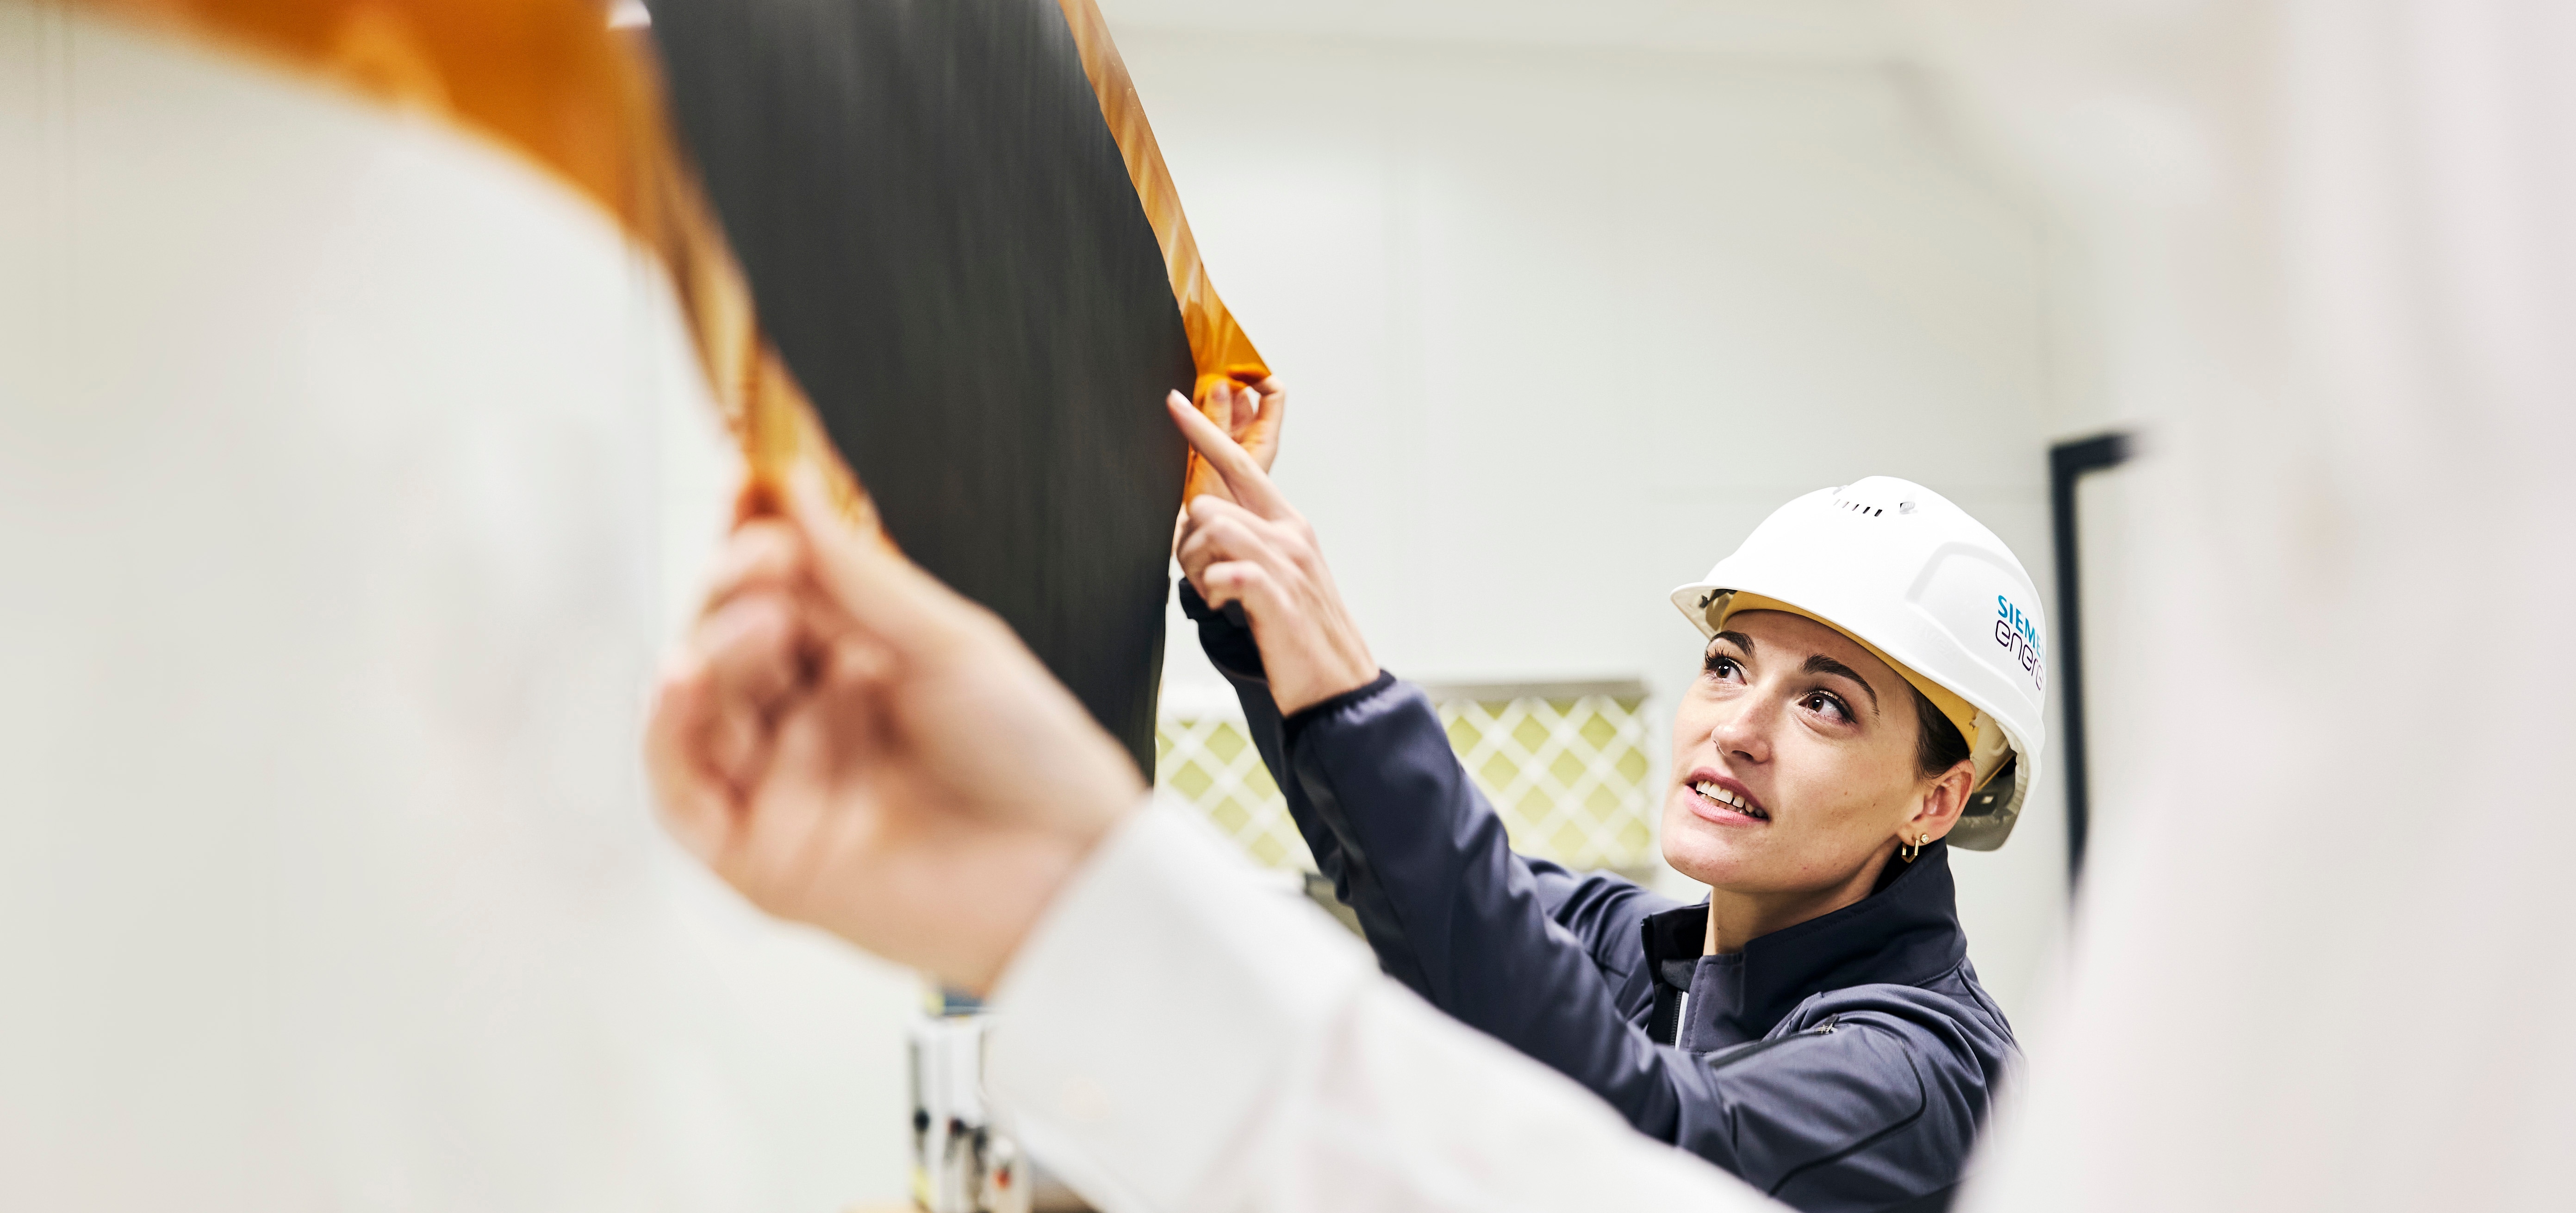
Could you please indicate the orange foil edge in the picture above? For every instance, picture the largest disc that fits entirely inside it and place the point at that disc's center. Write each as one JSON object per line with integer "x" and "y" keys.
{"x": 1218, "y": 345}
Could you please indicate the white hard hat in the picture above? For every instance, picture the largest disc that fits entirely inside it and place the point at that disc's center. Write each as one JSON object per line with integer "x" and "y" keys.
{"x": 1931, "y": 592}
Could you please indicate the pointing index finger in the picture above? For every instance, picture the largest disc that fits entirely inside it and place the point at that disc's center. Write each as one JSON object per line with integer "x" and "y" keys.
{"x": 1241, "y": 472}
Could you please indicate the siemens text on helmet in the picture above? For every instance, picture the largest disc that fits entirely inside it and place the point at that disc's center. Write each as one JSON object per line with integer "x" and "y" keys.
{"x": 2016, "y": 633}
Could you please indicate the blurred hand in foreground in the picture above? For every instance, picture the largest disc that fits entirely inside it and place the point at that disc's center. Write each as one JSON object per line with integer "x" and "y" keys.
{"x": 1250, "y": 547}
{"x": 851, "y": 744}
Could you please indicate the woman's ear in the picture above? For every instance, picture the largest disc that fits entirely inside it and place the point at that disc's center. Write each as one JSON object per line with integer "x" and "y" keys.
{"x": 1942, "y": 802}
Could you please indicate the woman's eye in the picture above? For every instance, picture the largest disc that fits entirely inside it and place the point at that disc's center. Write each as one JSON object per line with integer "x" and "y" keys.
{"x": 1724, "y": 667}
{"x": 1827, "y": 706}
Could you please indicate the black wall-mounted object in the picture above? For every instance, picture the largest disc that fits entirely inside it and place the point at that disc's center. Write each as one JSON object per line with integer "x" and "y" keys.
{"x": 2069, "y": 462}
{"x": 945, "y": 246}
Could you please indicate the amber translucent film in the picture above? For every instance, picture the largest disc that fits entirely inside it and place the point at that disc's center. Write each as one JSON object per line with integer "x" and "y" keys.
{"x": 549, "y": 80}
{"x": 1217, "y": 343}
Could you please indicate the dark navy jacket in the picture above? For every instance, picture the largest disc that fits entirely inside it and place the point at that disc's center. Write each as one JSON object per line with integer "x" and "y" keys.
{"x": 1841, "y": 1064}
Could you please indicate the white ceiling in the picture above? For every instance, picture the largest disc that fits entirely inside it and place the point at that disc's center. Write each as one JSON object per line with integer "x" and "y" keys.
{"x": 1795, "y": 29}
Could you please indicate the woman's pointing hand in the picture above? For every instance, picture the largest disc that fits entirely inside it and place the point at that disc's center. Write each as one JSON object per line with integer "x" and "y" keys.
{"x": 1258, "y": 551}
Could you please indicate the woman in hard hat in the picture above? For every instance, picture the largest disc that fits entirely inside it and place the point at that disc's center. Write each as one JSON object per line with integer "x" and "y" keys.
{"x": 1870, "y": 693}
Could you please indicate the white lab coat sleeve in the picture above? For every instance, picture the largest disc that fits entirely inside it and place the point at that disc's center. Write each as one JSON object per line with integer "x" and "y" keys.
{"x": 1177, "y": 1035}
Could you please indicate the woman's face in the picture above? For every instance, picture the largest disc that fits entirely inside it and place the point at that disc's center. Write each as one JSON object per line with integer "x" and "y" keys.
{"x": 1793, "y": 760}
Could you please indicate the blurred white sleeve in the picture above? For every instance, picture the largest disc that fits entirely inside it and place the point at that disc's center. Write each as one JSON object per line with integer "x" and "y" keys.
{"x": 1178, "y": 1036}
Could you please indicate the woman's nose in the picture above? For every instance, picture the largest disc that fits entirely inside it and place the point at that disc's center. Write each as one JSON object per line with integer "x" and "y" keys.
{"x": 1746, "y": 731}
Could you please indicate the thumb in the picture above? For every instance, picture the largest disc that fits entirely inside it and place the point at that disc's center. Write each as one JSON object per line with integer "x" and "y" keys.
{"x": 890, "y": 600}
{"x": 695, "y": 806}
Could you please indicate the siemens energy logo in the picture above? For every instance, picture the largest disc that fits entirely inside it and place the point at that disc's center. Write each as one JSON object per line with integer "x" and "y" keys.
{"x": 2020, "y": 638}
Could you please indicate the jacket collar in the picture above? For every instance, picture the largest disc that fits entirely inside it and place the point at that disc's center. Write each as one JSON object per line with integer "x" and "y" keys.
{"x": 1906, "y": 932}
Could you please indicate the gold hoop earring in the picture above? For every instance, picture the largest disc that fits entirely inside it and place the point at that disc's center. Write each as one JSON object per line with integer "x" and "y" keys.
{"x": 1907, "y": 851}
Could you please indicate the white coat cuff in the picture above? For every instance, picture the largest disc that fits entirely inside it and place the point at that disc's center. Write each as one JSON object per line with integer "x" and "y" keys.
{"x": 1165, "y": 993}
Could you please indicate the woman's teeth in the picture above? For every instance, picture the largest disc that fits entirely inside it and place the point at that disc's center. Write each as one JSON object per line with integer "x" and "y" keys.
{"x": 1729, "y": 799}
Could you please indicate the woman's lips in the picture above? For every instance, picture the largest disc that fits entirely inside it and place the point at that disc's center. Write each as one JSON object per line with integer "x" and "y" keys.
{"x": 1713, "y": 799}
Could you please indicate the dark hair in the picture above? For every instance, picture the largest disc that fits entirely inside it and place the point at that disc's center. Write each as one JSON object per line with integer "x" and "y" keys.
{"x": 1937, "y": 743}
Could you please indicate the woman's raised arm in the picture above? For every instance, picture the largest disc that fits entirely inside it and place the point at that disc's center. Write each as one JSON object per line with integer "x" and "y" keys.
{"x": 1257, "y": 551}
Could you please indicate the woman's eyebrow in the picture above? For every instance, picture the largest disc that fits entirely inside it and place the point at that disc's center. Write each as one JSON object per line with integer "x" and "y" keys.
{"x": 1821, "y": 664}
{"x": 1741, "y": 641}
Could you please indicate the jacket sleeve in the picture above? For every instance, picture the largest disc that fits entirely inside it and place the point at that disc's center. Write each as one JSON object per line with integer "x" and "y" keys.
{"x": 1412, "y": 848}
{"x": 1229, "y": 647}
{"x": 1598, "y": 908}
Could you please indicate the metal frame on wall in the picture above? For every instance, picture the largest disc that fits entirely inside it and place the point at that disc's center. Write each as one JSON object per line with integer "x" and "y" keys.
{"x": 2069, "y": 462}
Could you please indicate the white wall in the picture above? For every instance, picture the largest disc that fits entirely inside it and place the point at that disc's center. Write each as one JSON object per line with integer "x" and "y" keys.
{"x": 1562, "y": 325}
